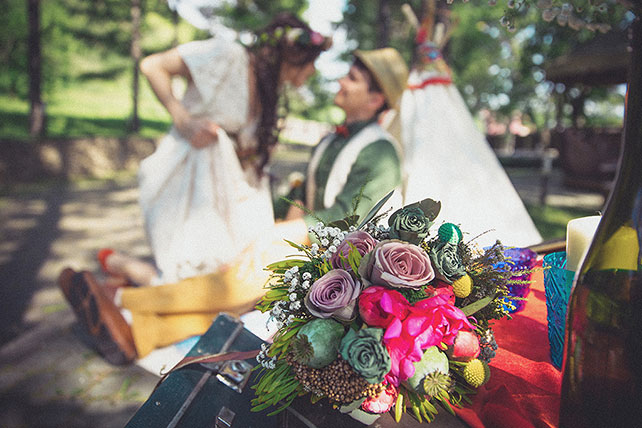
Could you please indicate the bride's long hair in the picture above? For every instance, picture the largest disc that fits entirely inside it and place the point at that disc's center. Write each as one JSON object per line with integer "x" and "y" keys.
{"x": 286, "y": 39}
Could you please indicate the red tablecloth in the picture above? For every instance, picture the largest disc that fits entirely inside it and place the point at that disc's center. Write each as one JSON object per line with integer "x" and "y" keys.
{"x": 524, "y": 388}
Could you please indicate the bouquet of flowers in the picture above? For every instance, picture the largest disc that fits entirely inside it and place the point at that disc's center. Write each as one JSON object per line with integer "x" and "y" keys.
{"x": 378, "y": 319}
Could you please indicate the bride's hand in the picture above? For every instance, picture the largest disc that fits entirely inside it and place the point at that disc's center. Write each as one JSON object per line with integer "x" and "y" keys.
{"x": 199, "y": 132}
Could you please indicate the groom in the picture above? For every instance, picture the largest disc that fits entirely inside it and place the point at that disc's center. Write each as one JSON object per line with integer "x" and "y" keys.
{"x": 360, "y": 157}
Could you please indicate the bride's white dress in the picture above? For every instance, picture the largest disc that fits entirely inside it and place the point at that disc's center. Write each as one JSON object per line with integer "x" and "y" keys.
{"x": 448, "y": 159}
{"x": 201, "y": 209}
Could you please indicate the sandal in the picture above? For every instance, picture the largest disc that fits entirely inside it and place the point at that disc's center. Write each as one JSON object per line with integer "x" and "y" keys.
{"x": 100, "y": 317}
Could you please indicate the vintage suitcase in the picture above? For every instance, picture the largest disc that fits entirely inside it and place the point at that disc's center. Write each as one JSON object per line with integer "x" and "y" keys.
{"x": 198, "y": 397}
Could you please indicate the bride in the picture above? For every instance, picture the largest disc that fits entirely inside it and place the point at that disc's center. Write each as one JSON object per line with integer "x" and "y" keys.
{"x": 204, "y": 194}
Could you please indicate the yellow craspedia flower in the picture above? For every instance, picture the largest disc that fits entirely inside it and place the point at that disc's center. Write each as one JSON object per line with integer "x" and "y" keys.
{"x": 463, "y": 286}
{"x": 476, "y": 373}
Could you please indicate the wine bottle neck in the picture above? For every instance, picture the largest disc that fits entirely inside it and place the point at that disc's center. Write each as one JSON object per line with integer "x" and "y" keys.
{"x": 621, "y": 224}
{"x": 629, "y": 179}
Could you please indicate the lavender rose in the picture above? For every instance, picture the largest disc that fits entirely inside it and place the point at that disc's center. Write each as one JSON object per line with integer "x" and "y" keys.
{"x": 447, "y": 261}
{"x": 396, "y": 264}
{"x": 333, "y": 295}
{"x": 362, "y": 241}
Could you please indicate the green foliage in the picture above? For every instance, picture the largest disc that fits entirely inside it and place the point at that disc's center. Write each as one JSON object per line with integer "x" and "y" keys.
{"x": 503, "y": 70}
{"x": 368, "y": 22}
{"x": 13, "y": 48}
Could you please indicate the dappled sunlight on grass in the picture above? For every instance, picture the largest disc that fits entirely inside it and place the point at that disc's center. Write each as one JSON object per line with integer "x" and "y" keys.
{"x": 93, "y": 107}
{"x": 551, "y": 221}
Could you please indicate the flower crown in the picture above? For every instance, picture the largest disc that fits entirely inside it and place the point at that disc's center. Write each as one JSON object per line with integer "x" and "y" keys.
{"x": 294, "y": 36}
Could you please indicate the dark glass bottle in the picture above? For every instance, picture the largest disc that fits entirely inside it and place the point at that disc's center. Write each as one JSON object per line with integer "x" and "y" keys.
{"x": 602, "y": 370}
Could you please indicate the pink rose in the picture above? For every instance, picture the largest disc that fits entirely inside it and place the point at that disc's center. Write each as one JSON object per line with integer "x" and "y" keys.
{"x": 443, "y": 289}
{"x": 382, "y": 402}
{"x": 362, "y": 241}
{"x": 333, "y": 295}
{"x": 379, "y": 306}
{"x": 465, "y": 348}
{"x": 396, "y": 264}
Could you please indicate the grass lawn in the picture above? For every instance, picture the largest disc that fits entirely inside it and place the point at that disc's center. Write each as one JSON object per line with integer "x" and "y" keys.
{"x": 551, "y": 221}
{"x": 92, "y": 107}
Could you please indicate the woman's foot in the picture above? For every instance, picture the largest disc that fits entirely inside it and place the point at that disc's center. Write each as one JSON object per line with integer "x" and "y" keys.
{"x": 99, "y": 315}
{"x": 120, "y": 265}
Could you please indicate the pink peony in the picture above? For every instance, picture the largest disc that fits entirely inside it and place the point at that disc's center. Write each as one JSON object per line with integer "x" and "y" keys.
{"x": 379, "y": 306}
{"x": 362, "y": 241}
{"x": 396, "y": 264}
{"x": 381, "y": 403}
{"x": 429, "y": 323}
{"x": 465, "y": 348}
{"x": 445, "y": 319}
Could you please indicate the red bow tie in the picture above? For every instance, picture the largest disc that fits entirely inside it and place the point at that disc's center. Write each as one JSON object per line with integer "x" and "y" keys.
{"x": 342, "y": 130}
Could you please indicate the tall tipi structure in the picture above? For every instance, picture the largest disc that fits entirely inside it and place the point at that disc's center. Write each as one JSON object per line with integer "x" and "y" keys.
{"x": 447, "y": 158}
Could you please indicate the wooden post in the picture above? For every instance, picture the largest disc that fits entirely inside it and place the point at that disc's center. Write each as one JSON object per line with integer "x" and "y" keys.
{"x": 136, "y": 56}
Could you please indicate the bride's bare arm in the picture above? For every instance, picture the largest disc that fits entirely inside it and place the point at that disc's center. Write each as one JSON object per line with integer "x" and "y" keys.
{"x": 159, "y": 69}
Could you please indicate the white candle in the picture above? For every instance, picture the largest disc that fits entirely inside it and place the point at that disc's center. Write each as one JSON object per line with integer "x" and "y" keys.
{"x": 579, "y": 234}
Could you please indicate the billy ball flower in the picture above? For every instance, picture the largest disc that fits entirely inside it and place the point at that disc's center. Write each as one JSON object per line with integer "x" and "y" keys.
{"x": 396, "y": 264}
{"x": 333, "y": 295}
{"x": 366, "y": 354}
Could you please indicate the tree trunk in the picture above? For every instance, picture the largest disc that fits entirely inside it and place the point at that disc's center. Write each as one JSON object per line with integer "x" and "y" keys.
{"x": 34, "y": 69}
{"x": 136, "y": 56}
{"x": 383, "y": 24}
{"x": 175, "y": 22}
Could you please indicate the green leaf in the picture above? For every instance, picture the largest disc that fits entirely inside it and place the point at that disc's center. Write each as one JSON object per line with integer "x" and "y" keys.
{"x": 446, "y": 405}
{"x": 373, "y": 212}
{"x": 425, "y": 411}
{"x": 416, "y": 412}
{"x": 431, "y": 208}
{"x": 345, "y": 223}
{"x": 399, "y": 407}
{"x": 286, "y": 264}
{"x": 354, "y": 258}
{"x": 260, "y": 407}
{"x": 430, "y": 407}
{"x": 478, "y": 305}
